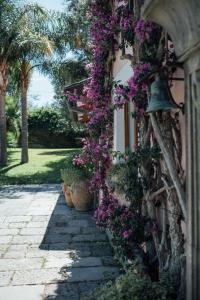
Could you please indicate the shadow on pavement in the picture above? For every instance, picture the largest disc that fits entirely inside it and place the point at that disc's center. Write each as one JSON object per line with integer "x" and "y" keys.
{"x": 82, "y": 253}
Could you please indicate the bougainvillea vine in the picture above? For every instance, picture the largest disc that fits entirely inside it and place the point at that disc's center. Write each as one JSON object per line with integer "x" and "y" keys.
{"x": 98, "y": 93}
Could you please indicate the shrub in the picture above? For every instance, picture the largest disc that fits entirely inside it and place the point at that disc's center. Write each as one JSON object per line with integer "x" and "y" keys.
{"x": 123, "y": 177}
{"x": 131, "y": 286}
{"x": 48, "y": 128}
{"x": 12, "y": 140}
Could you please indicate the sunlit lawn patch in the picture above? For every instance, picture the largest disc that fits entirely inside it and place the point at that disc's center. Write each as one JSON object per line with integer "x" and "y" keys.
{"x": 43, "y": 167}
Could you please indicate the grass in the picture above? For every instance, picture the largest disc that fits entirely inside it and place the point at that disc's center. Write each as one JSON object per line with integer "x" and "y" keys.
{"x": 43, "y": 167}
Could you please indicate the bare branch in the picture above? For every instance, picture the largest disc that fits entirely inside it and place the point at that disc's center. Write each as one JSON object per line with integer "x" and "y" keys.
{"x": 170, "y": 164}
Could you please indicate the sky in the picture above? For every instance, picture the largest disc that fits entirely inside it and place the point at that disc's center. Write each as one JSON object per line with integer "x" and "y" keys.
{"x": 41, "y": 91}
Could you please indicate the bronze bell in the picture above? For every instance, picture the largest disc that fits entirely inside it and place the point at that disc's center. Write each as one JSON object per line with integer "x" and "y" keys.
{"x": 160, "y": 97}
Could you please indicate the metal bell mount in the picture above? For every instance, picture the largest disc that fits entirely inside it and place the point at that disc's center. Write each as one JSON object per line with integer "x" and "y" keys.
{"x": 160, "y": 97}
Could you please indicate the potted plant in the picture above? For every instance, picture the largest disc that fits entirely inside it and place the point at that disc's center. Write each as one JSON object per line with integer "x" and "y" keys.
{"x": 67, "y": 181}
{"x": 77, "y": 191}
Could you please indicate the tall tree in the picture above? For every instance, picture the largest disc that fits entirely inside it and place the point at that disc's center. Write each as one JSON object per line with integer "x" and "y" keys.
{"x": 7, "y": 33}
{"x": 15, "y": 38}
{"x": 37, "y": 48}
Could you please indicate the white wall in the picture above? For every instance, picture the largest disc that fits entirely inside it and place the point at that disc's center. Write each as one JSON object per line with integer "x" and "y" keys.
{"x": 119, "y": 139}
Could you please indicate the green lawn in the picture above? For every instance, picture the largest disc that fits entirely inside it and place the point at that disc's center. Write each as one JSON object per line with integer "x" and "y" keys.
{"x": 43, "y": 167}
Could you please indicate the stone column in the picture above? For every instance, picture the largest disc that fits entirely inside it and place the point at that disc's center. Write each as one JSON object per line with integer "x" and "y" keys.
{"x": 192, "y": 68}
{"x": 181, "y": 19}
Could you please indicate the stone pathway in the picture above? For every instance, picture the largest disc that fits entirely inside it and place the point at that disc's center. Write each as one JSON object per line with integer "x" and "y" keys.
{"x": 48, "y": 251}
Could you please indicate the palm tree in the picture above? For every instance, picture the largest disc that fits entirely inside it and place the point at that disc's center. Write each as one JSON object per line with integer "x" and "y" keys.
{"x": 38, "y": 48}
{"x": 22, "y": 31}
{"x": 7, "y": 32}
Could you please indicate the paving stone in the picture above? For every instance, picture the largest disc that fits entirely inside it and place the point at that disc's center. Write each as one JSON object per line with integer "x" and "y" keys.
{"x": 22, "y": 292}
{"x": 20, "y": 264}
{"x": 17, "y": 225}
{"x": 53, "y": 262}
{"x": 5, "y": 278}
{"x": 58, "y": 224}
{"x": 57, "y": 238}
{"x": 32, "y": 231}
{"x": 62, "y": 291}
{"x": 40, "y": 276}
{"x": 19, "y": 248}
{"x": 83, "y": 253}
{"x": 80, "y": 246}
{"x": 109, "y": 261}
{"x": 80, "y": 223}
{"x": 87, "y": 262}
{"x": 16, "y": 219}
{"x": 8, "y": 232}
{"x": 37, "y": 253}
{"x": 4, "y": 225}
{"x": 3, "y": 247}
{"x": 58, "y": 246}
{"x": 71, "y": 261}
{"x": 90, "y": 238}
{"x": 62, "y": 212}
{"x": 16, "y": 212}
{"x": 89, "y": 274}
{"x": 40, "y": 218}
{"x": 14, "y": 254}
{"x": 37, "y": 224}
{"x": 90, "y": 230}
{"x": 5, "y": 239}
{"x": 59, "y": 297}
{"x": 82, "y": 215}
{"x": 62, "y": 254}
{"x": 35, "y": 212}
{"x": 32, "y": 239}
{"x": 101, "y": 249}
{"x": 65, "y": 229}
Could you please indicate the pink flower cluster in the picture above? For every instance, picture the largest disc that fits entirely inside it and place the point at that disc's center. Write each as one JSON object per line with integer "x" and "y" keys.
{"x": 126, "y": 20}
{"x": 105, "y": 210}
{"x": 137, "y": 87}
{"x": 143, "y": 30}
{"x": 96, "y": 148}
{"x": 122, "y": 221}
{"x": 127, "y": 233}
{"x": 120, "y": 96}
{"x": 135, "y": 90}
{"x": 72, "y": 97}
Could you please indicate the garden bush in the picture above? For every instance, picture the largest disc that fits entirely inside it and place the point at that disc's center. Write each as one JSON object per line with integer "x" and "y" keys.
{"x": 47, "y": 128}
{"x": 133, "y": 286}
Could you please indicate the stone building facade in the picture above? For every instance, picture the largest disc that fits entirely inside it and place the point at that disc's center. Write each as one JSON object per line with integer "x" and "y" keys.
{"x": 181, "y": 19}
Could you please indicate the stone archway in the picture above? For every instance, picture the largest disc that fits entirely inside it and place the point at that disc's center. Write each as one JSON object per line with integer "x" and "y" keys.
{"x": 181, "y": 19}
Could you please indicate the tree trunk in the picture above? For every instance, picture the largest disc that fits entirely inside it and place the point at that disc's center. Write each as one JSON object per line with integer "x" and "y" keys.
{"x": 171, "y": 164}
{"x": 24, "y": 130}
{"x": 175, "y": 265}
{"x": 3, "y": 147}
{"x": 3, "y": 133}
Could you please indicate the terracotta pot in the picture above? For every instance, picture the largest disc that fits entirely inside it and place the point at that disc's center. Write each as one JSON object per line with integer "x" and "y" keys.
{"x": 80, "y": 195}
{"x": 67, "y": 194}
